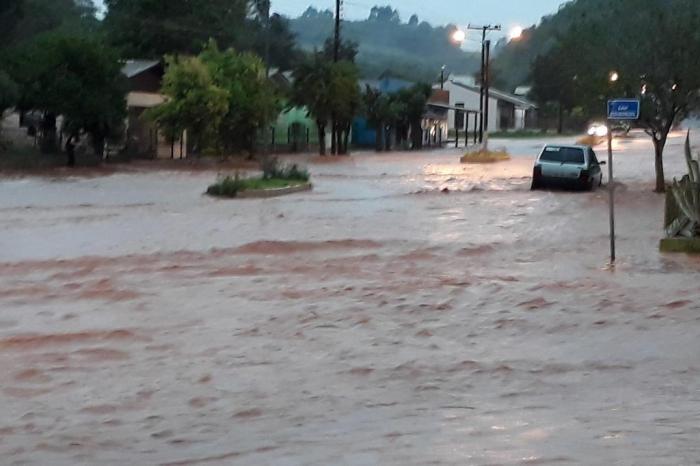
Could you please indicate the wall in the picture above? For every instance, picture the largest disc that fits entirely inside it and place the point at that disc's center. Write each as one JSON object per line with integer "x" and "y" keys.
{"x": 470, "y": 99}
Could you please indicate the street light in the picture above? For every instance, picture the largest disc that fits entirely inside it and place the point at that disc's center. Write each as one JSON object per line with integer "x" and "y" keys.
{"x": 515, "y": 33}
{"x": 459, "y": 36}
{"x": 614, "y": 76}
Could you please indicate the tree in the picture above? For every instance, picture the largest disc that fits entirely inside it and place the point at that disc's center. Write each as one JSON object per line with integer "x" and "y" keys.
{"x": 22, "y": 20}
{"x": 413, "y": 21}
{"x": 384, "y": 14}
{"x": 221, "y": 98}
{"x": 77, "y": 78}
{"x": 380, "y": 111}
{"x": 414, "y": 101}
{"x": 329, "y": 91}
{"x": 195, "y": 104}
{"x": 153, "y": 28}
{"x": 8, "y": 93}
{"x": 311, "y": 85}
{"x": 11, "y": 12}
{"x": 252, "y": 100}
{"x": 659, "y": 65}
{"x": 553, "y": 81}
{"x": 344, "y": 100}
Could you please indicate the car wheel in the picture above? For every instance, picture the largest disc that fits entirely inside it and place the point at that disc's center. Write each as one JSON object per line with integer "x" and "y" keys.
{"x": 536, "y": 184}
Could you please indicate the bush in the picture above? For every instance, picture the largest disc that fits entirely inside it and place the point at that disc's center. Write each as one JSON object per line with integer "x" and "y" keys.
{"x": 227, "y": 187}
{"x": 272, "y": 168}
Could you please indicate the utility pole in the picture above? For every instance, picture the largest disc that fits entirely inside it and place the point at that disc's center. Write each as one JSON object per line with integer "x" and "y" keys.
{"x": 335, "y": 131}
{"x": 336, "y": 37}
{"x": 486, "y": 86}
{"x": 484, "y": 65}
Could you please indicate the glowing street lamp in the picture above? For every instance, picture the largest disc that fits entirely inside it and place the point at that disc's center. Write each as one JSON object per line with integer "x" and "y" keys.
{"x": 459, "y": 36}
{"x": 614, "y": 76}
{"x": 515, "y": 33}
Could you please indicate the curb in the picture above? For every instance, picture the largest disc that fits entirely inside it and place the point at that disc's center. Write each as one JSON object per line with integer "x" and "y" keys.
{"x": 266, "y": 193}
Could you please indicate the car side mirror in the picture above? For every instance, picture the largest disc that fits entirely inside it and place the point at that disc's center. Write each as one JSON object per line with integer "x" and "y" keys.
{"x": 602, "y": 162}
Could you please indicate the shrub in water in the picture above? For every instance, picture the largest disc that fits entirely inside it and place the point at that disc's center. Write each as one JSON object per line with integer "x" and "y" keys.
{"x": 229, "y": 187}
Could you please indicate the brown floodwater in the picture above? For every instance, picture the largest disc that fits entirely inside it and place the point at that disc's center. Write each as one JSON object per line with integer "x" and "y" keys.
{"x": 378, "y": 320}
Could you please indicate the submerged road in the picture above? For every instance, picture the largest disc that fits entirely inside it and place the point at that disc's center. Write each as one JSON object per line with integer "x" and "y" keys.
{"x": 373, "y": 321}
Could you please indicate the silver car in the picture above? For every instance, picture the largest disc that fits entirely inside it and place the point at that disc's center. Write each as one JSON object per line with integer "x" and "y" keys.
{"x": 567, "y": 166}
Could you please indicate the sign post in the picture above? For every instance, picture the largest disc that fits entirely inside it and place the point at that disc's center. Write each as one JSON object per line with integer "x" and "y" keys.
{"x": 618, "y": 109}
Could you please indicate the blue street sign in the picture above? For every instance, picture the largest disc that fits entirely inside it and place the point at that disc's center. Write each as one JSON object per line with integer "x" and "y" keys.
{"x": 623, "y": 109}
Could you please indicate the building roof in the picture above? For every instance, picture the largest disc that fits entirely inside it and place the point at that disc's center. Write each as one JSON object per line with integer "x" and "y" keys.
{"x": 500, "y": 95}
{"x": 132, "y": 68}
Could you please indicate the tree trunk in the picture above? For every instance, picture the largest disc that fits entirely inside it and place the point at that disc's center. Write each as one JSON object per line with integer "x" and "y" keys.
{"x": 98, "y": 145}
{"x": 346, "y": 139}
{"x": 659, "y": 164}
{"x": 321, "y": 138}
{"x": 70, "y": 152}
{"x": 48, "y": 133}
{"x": 379, "y": 142}
{"x": 334, "y": 138}
{"x": 417, "y": 136}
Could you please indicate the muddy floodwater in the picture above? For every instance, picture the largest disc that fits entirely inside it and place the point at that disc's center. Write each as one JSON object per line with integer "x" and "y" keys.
{"x": 374, "y": 321}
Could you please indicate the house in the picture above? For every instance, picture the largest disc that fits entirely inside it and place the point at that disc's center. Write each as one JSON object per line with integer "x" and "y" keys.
{"x": 435, "y": 118}
{"x": 293, "y": 130}
{"x": 506, "y": 111}
{"x": 145, "y": 78}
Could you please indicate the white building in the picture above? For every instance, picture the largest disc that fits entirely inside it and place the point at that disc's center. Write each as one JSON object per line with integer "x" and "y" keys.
{"x": 506, "y": 111}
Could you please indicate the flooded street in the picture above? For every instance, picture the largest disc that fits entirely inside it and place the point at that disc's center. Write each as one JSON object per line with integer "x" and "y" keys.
{"x": 374, "y": 321}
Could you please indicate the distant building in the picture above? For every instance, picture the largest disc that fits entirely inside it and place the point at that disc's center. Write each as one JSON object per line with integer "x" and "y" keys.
{"x": 142, "y": 136}
{"x": 507, "y": 112}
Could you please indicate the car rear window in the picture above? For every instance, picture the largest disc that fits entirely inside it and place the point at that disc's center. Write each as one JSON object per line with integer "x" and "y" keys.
{"x": 571, "y": 155}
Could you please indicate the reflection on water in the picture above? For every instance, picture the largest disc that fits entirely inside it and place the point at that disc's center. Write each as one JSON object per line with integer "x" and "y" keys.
{"x": 358, "y": 324}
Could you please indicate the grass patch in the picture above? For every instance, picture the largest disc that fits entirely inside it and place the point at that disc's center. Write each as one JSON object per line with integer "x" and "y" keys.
{"x": 231, "y": 186}
{"x": 485, "y": 156}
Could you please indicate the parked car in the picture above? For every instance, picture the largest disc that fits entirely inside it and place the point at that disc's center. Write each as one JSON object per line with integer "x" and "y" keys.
{"x": 567, "y": 166}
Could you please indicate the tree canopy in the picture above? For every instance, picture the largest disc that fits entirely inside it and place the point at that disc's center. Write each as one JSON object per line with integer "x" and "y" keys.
{"x": 78, "y": 78}
{"x": 220, "y": 97}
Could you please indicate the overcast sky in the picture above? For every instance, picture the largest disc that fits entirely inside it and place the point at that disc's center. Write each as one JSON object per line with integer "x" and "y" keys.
{"x": 438, "y": 12}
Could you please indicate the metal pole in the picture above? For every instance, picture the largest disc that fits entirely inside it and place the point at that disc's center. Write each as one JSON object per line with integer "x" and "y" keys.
{"x": 611, "y": 192}
{"x": 481, "y": 85}
{"x": 442, "y": 78}
{"x": 487, "y": 72}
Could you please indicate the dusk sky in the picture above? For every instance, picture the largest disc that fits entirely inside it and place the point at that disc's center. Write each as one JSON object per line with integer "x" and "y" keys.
{"x": 506, "y": 12}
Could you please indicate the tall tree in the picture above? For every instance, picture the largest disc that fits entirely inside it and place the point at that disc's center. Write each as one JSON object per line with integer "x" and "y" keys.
{"x": 554, "y": 82}
{"x": 222, "y": 98}
{"x": 153, "y": 28}
{"x": 252, "y": 100}
{"x": 414, "y": 101}
{"x": 311, "y": 86}
{"x": 8, "y": 93}
{"x": 29, "y": 18}
{"x": 77, "y": 78}
{"x": 345, "y": 100}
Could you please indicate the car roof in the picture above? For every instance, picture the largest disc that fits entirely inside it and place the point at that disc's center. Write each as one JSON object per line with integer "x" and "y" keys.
{"x": 568, "y": 146}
